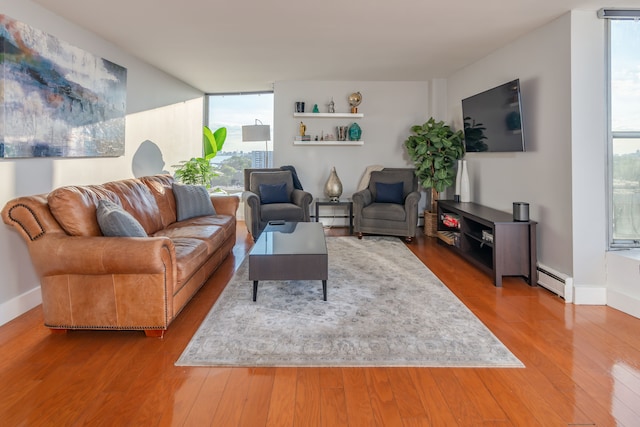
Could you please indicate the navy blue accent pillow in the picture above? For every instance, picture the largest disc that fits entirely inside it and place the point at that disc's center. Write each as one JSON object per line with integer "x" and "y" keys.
{"x": 273, "y": 193}
{"x": 389, "y": 193}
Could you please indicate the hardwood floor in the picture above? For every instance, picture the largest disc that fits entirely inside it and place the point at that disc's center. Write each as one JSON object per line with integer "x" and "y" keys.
{"x": 582, "y": 368}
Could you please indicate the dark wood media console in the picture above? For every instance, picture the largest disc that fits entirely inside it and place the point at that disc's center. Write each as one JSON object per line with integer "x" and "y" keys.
{"x": 489, "y": 239}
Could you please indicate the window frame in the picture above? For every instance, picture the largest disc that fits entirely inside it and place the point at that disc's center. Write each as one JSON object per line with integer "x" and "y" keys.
{"x": 617, "y": 15}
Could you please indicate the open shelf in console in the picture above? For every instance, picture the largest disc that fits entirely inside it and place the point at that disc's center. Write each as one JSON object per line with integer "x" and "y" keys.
{"x": 491, "y": 240}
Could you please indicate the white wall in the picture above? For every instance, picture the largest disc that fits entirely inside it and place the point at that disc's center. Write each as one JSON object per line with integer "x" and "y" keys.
{"x": 589, "y": 157}
{"x": 562, "y": 175}
{"x": 389, "y": 108}
{"x": 542, "y": 175}
{"x": 162, "y": 112}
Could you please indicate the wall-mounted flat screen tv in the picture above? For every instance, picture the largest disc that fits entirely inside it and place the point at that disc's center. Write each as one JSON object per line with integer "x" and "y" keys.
{"x": 493, "y": 119}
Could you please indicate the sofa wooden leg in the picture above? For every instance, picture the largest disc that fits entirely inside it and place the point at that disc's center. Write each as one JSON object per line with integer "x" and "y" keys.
{"x": 408, "y": 239}
{"x": 154, "y": 333}
{"x": 359, "y": 235}
{"x": 57, "y": 331}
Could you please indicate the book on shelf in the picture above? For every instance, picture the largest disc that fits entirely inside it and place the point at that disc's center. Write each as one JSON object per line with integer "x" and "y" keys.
{"x": 450, "y": 237}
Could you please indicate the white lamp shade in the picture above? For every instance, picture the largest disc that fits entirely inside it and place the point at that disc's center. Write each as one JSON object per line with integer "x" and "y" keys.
{"x": 256, "y": 133}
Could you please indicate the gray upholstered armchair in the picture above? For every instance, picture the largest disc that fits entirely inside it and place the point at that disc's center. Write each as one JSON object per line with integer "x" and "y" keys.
{"x": 389, "y": 205}
{"x": 270, "y": 195}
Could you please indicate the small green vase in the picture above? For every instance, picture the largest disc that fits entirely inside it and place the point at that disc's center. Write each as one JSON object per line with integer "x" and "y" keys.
{"x": 355, "y": 132}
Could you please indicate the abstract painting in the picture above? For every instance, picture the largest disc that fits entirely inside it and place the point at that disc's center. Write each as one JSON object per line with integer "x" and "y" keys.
{"x": 57, "y": 100}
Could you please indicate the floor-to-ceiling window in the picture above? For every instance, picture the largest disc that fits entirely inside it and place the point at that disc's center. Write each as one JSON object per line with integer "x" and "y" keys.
{"x": 233, "y": 111}
{"x": 624, "y": 111}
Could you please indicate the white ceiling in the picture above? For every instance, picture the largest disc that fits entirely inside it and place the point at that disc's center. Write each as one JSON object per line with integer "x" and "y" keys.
{"x": 247, "y": 45}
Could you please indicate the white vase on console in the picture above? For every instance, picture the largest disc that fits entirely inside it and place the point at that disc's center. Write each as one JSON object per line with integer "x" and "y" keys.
{"x": 456, "y": 194}
{"x": 465, "y": 188}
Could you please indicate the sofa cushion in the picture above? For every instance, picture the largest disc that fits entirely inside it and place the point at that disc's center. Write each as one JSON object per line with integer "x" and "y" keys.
{"x": 275, "y": 177}
{"x": 137, "y": 199}
{"x": 191, "y": 254}
{"x": 116, "y": 222}
{"x": 226, "y": 222}
{"x": 389, "y": 192}
{"x": 74, "y": 207}
{"x": 285, "y": 211}
{"x": 274, "y": 193}
{"x": 212, "y": 235}
{"x": 390, "y": 176}
{"x": 192, "y": 201}
{"x": 386, "y": 211}
{"x": 161, "y": 188}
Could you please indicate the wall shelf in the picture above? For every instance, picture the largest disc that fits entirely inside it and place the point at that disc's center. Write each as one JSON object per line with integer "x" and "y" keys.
{"x": 330, "y": 115}
{"x": 345, "y": 143}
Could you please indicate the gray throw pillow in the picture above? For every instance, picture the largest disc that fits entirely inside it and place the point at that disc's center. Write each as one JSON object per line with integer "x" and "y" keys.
{"x": 192, "y": 201}
{"x": 116, "y": 222}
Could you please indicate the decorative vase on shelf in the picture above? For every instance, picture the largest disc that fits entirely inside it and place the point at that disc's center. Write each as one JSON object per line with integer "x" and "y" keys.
{"x": 355, "y": 132}
{"x": 456, "y": 195}
{"x": 333, "y": 187}
{"x": 465, "y": 187}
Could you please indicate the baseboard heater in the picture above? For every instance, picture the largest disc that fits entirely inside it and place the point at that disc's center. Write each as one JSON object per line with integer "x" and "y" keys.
{"x": 556, "y": 282}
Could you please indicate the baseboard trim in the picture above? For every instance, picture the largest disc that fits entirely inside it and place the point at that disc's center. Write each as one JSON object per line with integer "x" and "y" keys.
{"x": 589, "y": 295}
{"x": 626, "y": 303}
{"x": 19, "y": 305}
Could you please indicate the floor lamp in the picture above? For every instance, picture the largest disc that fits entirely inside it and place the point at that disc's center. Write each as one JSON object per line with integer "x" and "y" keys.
{"x": 258, "y": 132}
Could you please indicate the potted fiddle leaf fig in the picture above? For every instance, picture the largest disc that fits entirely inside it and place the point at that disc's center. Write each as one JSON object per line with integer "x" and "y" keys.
{"x": 435, "y": 149}
{"x": 198, "y": 170}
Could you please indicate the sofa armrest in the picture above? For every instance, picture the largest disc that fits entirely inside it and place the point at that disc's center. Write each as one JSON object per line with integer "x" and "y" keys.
{"x": 411, "y": 206}
{"x": 301, "y": 198}
{"x": 62, "y": 254}
{"x": 31, "y": 217}
{"x": 251, "y": 212}
{"x": 361, "y": 199}
{"x": 225, "y": 205}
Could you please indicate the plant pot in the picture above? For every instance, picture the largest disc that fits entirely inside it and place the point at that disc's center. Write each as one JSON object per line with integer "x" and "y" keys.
{"x": 430, "y": 224}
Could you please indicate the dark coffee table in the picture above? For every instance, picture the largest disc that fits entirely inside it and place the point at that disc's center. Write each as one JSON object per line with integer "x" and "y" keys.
{"x": 290, "y": 251}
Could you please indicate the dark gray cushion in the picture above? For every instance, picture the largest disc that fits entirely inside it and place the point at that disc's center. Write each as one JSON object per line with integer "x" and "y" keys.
{"x": 116, "y": 222}
{"x": 192, "y": 201}
{"x": 285, "y": 211}
{"x": 385, "y": 211}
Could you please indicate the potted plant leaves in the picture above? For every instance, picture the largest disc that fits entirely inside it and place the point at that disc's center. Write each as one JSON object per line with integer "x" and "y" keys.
{"x": 434, "y": 149}
{"x": 198, "y": 170}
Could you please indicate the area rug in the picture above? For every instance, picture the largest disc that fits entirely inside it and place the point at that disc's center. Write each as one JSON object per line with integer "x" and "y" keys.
{"x": 383, "y": 308}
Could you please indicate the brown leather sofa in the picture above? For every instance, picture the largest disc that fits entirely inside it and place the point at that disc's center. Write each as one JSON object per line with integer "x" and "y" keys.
{"x": 90, "y": 281}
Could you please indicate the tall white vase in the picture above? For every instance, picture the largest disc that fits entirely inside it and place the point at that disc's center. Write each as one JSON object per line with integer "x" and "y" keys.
{"x": 465, "y": 188}
{"x": 456, "y": 195}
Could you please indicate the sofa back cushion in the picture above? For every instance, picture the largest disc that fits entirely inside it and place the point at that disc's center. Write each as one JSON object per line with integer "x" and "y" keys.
{"x": 161, "y": 188}
{"x": 137, "y": 199}
{"x": 74, "y": 207}
{"x": 271, "y": 178}
{"x": 393, "y": 176}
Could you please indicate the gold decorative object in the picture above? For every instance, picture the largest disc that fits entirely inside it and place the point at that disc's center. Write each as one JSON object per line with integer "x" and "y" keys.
{"x": 354, "y": 100}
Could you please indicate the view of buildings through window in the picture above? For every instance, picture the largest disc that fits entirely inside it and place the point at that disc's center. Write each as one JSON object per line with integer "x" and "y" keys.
{"x": 625, "y": 131}
{"x": 234, "y": 111}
